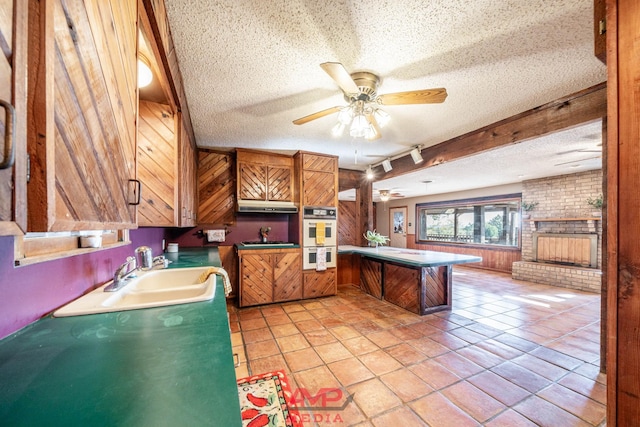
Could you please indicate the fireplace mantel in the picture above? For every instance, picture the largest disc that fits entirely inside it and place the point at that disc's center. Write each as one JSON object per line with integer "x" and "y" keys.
{"x": 591, "y": 221}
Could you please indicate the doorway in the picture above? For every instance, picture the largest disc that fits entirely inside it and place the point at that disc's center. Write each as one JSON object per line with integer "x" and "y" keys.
{"x": 398, "y": 227}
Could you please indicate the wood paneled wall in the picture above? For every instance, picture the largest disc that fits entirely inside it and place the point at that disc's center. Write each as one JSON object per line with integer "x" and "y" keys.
{"x": 492, "y": 258}
{"x": 347, "y": 223}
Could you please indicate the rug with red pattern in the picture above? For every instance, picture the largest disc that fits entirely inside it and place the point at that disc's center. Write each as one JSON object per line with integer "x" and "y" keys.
{"x": 265, "y": 400}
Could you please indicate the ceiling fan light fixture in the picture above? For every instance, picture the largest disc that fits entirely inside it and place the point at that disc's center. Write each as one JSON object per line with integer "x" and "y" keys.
{"x": 345, "y": 115}
{"x": 416, "y": 155}
{"x": 370, "y": 133}
{"x": 384, "y": 195}
{"x": 382, "y": 117}
{"x": 369, "y": 172}
{"x": 359, "y": 126}
{"x": 386, "y": 165}
{"x": 338, "y": 129}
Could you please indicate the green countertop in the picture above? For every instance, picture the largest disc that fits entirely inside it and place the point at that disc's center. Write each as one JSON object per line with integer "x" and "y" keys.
{"x": 412, "y": 257}
{"x": 165, "y": 366}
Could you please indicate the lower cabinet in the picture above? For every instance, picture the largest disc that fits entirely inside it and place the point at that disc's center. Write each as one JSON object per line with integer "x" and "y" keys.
{"x": 269, "y": 275}
{"x": 319, "y": 283}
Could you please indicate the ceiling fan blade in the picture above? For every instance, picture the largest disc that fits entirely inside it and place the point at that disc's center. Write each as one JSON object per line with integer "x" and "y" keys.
{"x": 579, "y": 160}
{"x": 341, "y": 76}
{"x": 372, "y": 120}
{"x": 316, "y": 115}
{"x": 425, "y": 96}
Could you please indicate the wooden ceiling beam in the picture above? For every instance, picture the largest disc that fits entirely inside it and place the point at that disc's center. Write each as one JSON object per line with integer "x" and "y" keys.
{"x": 581, "y": 107}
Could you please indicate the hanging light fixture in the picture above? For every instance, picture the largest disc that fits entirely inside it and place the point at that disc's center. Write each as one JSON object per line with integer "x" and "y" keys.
{"x": 384, "y": 195}
{"x": 416, "y": 154}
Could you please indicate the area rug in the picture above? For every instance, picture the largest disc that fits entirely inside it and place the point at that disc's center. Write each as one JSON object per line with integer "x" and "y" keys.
{"x": 265, "y": 400}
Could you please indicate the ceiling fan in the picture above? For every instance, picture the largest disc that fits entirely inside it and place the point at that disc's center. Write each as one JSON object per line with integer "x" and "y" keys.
{"x": 363, "y": 115}
{"x": 386, "y": 195}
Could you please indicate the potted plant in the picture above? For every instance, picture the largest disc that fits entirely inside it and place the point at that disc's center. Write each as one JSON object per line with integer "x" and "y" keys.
{"x": 596, "y": 203}
{"x": 528, "y": 207}
{"x": 374, "y": 238}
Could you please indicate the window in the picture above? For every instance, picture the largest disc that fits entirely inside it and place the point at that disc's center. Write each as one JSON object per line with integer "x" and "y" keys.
{"x": 482, "y": 221}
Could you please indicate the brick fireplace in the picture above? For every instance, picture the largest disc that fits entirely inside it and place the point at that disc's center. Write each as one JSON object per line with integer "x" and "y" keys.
{"x": 562, "y": 241}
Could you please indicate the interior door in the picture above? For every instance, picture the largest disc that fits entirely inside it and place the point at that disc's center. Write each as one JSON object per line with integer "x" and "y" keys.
{"x": 398, "y": 227}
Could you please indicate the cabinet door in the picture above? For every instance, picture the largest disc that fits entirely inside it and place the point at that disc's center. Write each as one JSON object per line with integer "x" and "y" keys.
{"x": 216, "y": 188}
{"x": 287, "y": 281}
{"x": 256, "y": 279}
{"x": 82, "y": 114}
{"x": 188, "y": 180}
{"x": 320, "y": 283}
{"x": 13, "y": 175}
{"x": 252, "y": 181}
{"x": 157, "y": 165}
{"x": 371, "y": 277}
{"x": 279, "y": 180}
{"x": 319, "y": 188}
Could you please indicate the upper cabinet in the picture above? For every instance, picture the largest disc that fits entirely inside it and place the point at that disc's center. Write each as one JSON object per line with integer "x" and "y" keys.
{"x": 318, "y": 179}
{"x": 188, "y": 196}
{"x": 264, "y": 176}
{"x": 157, "y": 165}
{"x": 13, "y": 71}
{"x": 216, "y": 188}
{"x": 82, "y": 114}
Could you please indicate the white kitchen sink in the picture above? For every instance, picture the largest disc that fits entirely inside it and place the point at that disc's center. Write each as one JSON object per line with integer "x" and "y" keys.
{"x": 153, "y": 288}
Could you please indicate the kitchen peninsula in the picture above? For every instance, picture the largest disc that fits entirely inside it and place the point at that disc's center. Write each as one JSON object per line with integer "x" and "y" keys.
{"x": 416, "y": 280}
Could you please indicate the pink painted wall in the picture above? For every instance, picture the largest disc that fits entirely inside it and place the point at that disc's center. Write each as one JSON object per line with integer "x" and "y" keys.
{"x": 30, "y": 292}
{"x": 247, "y": 227}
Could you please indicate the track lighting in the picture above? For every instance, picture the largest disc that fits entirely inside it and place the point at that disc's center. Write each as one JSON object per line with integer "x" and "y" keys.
{"x": 369, "y": 172}
{"x": 416, "y": 154}
{"x": 386, "y": 165}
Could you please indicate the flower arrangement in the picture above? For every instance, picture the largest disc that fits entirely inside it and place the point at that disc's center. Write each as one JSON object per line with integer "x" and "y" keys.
{"x": 375, "y": 237}
{"x": 595, "y": 202}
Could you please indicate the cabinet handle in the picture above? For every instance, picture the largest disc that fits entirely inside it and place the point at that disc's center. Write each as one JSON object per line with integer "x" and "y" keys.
{"x": 137, "y": 191}
{"x": 9, "y": 123}
{"x": 236, "y": 358}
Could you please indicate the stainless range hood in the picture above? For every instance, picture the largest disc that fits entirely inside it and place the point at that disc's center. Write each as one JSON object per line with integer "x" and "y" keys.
{"x": 266, "y": 206}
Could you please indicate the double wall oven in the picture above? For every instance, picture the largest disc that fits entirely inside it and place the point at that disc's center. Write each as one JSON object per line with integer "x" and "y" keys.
{"x": 320, "y": 230}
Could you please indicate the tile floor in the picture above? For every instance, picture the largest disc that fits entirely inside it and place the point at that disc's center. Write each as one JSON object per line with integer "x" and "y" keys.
{"x": 510, "y": 353}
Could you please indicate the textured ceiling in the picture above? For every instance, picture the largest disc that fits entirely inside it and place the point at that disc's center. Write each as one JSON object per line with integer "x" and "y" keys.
{"x": 251, "y": 67}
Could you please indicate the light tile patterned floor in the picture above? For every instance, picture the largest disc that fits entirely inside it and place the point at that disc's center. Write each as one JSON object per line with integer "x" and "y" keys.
{"x": 510, "y": 353}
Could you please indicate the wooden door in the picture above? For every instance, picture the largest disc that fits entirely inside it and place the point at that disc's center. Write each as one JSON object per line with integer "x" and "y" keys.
{"x": 216, "y": 188}
{"x": 398, "y": 227}
{"x": 256, "y": 279}
{"x": 320, "y": 283}
{"x": 13, "y": 172}
{"x": 287, "y": 276}
{"x": 157, "y": 165}
{"x": 279, "y": 181}
{"x": 252, "y": 181}
{"x": 82, "y": 114}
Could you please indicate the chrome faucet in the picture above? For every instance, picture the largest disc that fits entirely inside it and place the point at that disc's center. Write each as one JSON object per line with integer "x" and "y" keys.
{"x": 122, "y": 274}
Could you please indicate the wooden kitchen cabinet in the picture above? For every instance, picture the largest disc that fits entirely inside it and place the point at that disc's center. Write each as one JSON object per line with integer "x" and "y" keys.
{"x": 188, "y": 197}
{"x": 319, "y": 179}
{"x": 157, "y": 165}
{"x": 264, "y": 176}
{"x": 319, "y": 283}
{"x": 269, "y": 275}
{"x": 13, "y": 68}
{"x": 216, "y": 188}
{"x": 82, "y": 114}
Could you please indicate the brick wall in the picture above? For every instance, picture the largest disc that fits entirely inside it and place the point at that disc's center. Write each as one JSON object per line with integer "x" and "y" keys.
{"x": 562, "y": 196}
